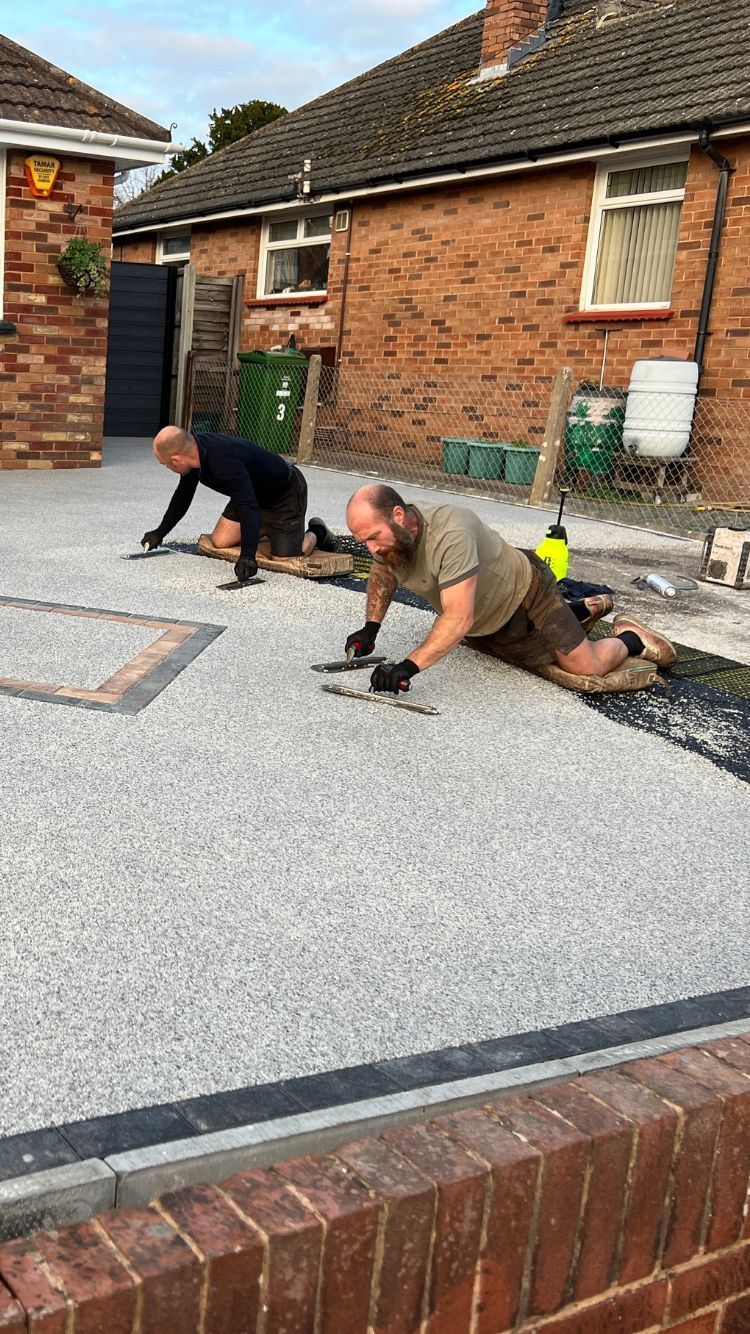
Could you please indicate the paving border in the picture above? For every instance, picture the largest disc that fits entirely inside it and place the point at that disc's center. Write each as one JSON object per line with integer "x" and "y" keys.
{"x": 137, "y": 682}
{"x": 60, "y": 1175}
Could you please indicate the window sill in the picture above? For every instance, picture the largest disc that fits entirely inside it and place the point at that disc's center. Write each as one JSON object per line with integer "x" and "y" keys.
{"x": 301, "y": 300}
{"x": 616, "y": 316}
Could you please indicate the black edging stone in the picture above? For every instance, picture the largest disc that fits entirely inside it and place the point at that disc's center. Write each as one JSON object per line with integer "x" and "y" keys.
{"x": 24, "y": 1154}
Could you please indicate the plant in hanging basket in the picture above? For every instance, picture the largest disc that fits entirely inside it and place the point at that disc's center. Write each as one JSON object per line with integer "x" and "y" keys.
{"x": 83, "y": 267}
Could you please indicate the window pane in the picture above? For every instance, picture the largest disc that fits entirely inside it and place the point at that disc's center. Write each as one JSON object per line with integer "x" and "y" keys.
{"x": 298, "y": 269}
{"x": 176, "y": 245}
{"x": 283, "y": 231}
{"x": 645, "y": 180}
{"x": 319, "y": 226}
{"x": 636, "y": 254}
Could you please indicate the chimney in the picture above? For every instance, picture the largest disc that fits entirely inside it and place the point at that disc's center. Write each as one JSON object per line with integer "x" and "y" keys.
{"x": 507, "y": 23}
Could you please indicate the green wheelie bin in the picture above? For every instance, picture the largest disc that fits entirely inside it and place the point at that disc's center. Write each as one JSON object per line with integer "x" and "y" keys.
{"x": 270, "y": 388}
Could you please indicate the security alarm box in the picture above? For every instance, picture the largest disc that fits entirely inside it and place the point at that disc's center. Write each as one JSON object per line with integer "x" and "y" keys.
{"x": 726, "y": 557}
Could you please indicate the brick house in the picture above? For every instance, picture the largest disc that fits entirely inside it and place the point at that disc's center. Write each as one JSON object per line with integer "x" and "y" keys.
{"x": 494, "y": 200}
{"x": 52, "y": 341}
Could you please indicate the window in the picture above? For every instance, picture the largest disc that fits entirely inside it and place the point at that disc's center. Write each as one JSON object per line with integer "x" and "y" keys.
{"x": 173, "y": 248}
{"x": 294, "y": 256}
{"x": 635, "y": 224}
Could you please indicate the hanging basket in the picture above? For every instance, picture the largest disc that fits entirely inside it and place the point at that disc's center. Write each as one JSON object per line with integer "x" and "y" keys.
{"x": 83, "y": 267}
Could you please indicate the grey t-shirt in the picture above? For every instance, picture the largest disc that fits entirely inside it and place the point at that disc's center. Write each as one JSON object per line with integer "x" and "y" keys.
{"x": 453, "y": 545}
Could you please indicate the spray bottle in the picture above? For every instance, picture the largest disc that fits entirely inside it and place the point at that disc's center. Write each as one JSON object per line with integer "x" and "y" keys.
{"x": 554, "y": 549}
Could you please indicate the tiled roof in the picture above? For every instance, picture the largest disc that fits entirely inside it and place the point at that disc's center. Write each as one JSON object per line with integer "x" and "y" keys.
{"x": 33, "y": 91}
{"x": 666, "y": 65}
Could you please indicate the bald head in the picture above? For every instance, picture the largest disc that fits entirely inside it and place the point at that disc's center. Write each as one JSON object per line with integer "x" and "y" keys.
{"x": 176, "y": 449}
{"x": 378, "y": 516}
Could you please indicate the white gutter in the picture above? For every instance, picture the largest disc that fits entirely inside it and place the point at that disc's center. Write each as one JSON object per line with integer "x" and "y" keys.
{"x": 127, "y": 151}
{"x": 427, "y": 182}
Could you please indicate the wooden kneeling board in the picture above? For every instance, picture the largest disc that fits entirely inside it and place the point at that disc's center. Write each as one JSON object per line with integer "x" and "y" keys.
{"x": 320, "y": 565}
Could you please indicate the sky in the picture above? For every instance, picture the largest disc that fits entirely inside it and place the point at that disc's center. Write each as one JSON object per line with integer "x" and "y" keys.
{"x": 175, "y": 62}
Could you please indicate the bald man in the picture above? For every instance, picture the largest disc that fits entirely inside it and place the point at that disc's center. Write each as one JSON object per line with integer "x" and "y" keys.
{"x": 487, "y": 594}
{"x": 267, "y": 496}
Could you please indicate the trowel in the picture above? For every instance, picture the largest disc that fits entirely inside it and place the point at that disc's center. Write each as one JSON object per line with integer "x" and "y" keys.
{"x": 144, "y": 555}
{"x": 240, "y": 583}
{"x": 348, "y": 664}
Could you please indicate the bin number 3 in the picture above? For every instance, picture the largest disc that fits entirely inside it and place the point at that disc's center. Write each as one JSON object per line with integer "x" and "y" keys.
{"x": 281, "y": 412}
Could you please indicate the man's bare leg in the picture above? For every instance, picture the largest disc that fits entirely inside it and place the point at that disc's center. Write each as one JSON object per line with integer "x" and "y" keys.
{"x": 593, "y": 657}
{"x": 227, "y": 533}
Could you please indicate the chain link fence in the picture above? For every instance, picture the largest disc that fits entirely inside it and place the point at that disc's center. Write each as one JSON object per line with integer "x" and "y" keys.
{"x": 638, "y": 461}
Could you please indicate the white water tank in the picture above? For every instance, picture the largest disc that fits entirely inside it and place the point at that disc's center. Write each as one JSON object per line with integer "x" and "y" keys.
{"x": 660, "y": 406}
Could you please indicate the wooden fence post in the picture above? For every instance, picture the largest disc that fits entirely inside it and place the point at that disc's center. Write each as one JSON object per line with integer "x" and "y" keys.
{"x": 306, "y": 442}
{"x": 541, "y": 489}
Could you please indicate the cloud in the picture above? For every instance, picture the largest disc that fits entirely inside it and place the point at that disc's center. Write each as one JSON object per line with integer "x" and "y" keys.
{"x": 175, "y": 62}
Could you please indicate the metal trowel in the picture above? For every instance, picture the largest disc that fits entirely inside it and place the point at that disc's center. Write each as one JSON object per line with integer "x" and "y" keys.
{"x": 144, "y": 555}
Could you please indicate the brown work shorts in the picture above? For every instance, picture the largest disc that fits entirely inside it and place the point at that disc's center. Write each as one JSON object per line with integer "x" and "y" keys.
{"x": 284, "y": 525}
{"x": 542, "y": 624}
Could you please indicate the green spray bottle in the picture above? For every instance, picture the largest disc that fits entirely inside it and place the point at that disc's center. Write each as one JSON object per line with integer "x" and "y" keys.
{"x": 554, "y": 549}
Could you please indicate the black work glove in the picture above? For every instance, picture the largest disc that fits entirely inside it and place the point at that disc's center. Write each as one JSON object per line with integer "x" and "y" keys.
{"x": 393, "y": 676}
{"x": 245, "y": 568}
{"x": 363, "y": 641}
{"x": 151, "y": 540}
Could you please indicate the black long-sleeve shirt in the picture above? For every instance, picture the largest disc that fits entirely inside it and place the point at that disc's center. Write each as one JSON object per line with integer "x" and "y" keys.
{"x": 252, "y": 477}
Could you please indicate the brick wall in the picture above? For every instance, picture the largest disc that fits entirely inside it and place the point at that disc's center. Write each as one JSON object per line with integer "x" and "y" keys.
{"x": 479, "y": 279}
{"x": 616, "y": 1202}
{"x": 53, "y": 369}
{"x": 135, "y": 250}
{"x": 508, "y": 22}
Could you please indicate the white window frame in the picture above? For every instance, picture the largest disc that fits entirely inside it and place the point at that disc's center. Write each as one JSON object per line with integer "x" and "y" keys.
{"x": 182, "y": 257}
{"x": 600, "y": 205}
{"x": 267, "y": 247}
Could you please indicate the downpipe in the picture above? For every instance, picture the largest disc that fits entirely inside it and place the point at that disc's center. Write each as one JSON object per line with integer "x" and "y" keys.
{"x": 725, "y": 171}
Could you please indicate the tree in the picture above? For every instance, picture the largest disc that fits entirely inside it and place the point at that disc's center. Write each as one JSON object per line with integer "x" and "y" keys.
{"x": 225, "y": 127}
{"x": 130, "y": 184}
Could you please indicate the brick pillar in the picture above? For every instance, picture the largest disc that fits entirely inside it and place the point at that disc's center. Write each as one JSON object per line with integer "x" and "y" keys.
{"x": 506, "y": 23}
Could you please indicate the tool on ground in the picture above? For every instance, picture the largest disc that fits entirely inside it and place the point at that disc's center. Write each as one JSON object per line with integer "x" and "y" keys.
{"x": 351, "y": 664}
{"x": 554, "y": 549}
{"x": 240, "y": 583}
{"x": 667, "y": 587}
{"x": 392, "y": 702}
{"x": 144, "y": 555}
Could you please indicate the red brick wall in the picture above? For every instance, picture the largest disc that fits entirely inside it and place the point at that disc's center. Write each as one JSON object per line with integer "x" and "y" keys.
{"x": 53, "y": 370}
{"x": 614, "y": 1204}
{"x": 506, "y": 23}
{"x": 478, "y": 278}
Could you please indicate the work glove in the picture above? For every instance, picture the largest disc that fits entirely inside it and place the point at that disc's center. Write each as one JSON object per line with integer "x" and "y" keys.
{"x": 245, "y": 568}
{"x": 151, "y": 540}
{"x": 363, "y": 641}
{"x": 393, "y": 676}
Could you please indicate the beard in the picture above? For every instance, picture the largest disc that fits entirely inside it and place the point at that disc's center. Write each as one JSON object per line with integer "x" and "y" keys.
{"x": 400, "y": 554}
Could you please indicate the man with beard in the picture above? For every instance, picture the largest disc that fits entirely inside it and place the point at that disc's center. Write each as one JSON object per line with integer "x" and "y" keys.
{"x": 488, "y": 594}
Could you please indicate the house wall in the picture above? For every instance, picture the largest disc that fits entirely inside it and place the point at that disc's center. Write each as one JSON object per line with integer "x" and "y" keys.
{"x": 485, "y": 280}
{"x": 481, "y": 277}
{"x": 139, "y": 250}
{"x": 52, "y": 370}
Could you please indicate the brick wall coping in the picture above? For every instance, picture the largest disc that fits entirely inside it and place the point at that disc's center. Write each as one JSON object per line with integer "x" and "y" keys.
{"x": 615, "y": 1201}
{"x": 615, "y": 316}
{"x": 273, "y": 301}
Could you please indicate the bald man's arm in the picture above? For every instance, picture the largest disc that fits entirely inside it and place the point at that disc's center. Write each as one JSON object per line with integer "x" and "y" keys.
{"x": 451, "y": 626}
{"x": 381, "y": 586}
{"x": 180, "y": 502}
